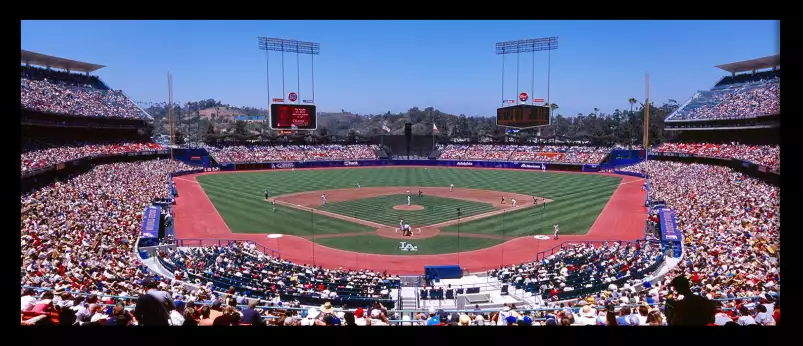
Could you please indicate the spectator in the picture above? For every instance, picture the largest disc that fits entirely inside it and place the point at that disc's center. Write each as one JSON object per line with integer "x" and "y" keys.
{"x": 692, "y": 309}
{"x": 250, "y": 315}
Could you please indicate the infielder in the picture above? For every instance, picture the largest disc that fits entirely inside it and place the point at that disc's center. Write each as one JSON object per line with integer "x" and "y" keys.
{"x": 420, "y": 194}
{"x": 451, "y": 187}
{"x": 556, "y": 231}
{"x": 273, "y": 203}
{"x": 535, "y": 200}
{"x": 358, "y": 185}
{"x": 266, "y": 194}
{"x": 513, "y": 201}
{"x": 323, "y": 199}
{"x": 408, "y": 200}
{"x": 503, "y": 200}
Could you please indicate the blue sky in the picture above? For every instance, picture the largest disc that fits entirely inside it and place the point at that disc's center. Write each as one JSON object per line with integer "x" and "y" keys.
{"x": 379, "y": 66}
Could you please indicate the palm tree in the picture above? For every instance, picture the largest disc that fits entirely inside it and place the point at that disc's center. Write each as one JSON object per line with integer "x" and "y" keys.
{"x": 632, "y": 101}
{"x": 596, "y": 111}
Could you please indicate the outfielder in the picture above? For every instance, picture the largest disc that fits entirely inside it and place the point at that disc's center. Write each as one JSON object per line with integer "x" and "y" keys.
{"x": 556, "y": 231}
{"x": 358, "y": 185}
{"x": 408, "y": 200}
{"x": 513, "y": 201}
{"x": 323, "y": 199}
{"x": 294, "y": 169}
{"x": 273, "y": 203}
{"x": 451, "y": 187}
{"x": 266, "y": 194}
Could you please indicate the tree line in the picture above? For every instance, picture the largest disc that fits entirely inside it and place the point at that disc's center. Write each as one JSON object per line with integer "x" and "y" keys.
{"x": 622, "y": 126}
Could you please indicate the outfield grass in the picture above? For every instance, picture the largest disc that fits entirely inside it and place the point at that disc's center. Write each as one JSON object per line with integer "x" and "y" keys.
{"x": 239, "y": 198}
{"x": 380, "y": 209}
{"x": 388, "y": 246}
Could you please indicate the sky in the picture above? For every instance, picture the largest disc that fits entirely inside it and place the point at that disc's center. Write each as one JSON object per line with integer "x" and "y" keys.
{"x": 370, "y": 67}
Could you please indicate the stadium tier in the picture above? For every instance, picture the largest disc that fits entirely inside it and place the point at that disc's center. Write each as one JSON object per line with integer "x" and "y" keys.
{"x": 37, "y": 154}
{"x": 534, "y": 153}
{"x": 743, "y": 97}
{"x": 73, "y": 94}
{"x": 245, "y": 154}
{"x": 768, "y": 155}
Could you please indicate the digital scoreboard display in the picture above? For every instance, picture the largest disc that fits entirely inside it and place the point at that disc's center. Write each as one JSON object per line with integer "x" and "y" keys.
{"x": 293, "y": 117}
{"x": 522, "y": 116}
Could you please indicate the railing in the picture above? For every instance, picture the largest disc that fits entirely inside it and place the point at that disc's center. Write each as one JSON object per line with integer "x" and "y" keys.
{"x": 201, "y": 242}
{"x": 403, "y": 311}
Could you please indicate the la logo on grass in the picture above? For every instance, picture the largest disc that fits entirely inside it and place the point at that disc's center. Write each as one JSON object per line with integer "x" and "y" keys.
{"x": 405, "y": 246}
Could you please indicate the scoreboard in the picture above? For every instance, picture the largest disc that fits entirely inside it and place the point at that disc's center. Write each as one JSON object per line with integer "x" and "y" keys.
{"x": 522, "y": 116}
{"x": 293, "y": 117}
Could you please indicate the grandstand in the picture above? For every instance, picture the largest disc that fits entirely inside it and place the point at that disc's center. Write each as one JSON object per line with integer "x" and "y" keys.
{"x": 63, "y": 92}
{"x": 746, "y": 100}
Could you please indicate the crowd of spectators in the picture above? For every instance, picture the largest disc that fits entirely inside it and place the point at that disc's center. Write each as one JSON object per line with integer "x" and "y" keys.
{"x": 582, "y": 266}
{"x": 768, "y": 155}
{"x": 78, "y": 233}
{"x": 532, "y": 153}
{"x": 63, "y": 93}
{"x": 256, "y": 154}
{"x": 746, "y": 99}
{"x": 240, "y": 265}
{"x": 37, "y": 155}
{"x": 731, "y": 229}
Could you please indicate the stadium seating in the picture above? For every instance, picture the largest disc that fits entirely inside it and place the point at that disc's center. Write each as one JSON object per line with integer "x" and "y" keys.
{"x": 72, "y": 94}
{"x": 768, "y": 155}
{"x": 746, "y": 96}
{"x": 257, "y": 154}
{"x": 534, "y": 153}
{"x": 37, "y": 155}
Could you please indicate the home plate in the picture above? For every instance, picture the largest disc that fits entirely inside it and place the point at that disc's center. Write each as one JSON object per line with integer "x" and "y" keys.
{"x": 275, "y": 235}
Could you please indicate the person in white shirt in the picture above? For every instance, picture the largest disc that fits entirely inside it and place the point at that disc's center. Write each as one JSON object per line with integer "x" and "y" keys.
{"x": 451, "y": 187}
{"x": 27, "y": 299}
{"x": 763, "y": 317}
{"x": 745, "y": 319}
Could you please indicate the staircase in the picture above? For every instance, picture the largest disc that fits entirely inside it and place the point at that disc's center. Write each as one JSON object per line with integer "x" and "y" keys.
{"x": 408, "y": 298}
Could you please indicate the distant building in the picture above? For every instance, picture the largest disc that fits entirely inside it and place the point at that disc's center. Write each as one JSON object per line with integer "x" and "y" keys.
{"x": 249, "y": 118}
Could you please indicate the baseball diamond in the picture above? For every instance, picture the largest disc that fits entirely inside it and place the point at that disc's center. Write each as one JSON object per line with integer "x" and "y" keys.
{"x": 363, "y": 221}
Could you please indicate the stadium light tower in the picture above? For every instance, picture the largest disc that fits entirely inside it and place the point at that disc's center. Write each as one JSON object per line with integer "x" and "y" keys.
{"x": 290, "y": 46}
{"x": 522, "y": 115}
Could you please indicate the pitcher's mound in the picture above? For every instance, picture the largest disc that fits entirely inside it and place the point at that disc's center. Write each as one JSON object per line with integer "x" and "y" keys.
{"x": 408, "y": 207}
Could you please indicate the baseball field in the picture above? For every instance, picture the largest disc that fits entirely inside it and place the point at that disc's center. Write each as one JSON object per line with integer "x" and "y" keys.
{"x": 367, "y": 219}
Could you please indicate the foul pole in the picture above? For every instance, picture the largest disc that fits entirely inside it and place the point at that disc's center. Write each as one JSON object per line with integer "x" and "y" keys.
{"x": 646, "y": 142}
{"x": 170, "y": 117}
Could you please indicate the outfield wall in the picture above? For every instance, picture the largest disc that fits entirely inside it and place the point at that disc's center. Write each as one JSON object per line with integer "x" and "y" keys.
{"x": 433, "y": 163}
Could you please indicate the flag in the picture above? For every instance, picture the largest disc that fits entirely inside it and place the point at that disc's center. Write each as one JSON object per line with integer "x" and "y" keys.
{"x": 434, "y": 128}
{"x": 385, "y": 126}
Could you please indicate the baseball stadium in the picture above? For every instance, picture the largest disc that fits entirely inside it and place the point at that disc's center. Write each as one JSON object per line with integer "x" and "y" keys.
{"x": 187, "y": 212}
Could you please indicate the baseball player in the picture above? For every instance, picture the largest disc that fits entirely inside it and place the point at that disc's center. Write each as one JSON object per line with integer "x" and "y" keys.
{"x": 358, "y": 185}
{"x": 273, "y": 203}
{"x": 451, "y": 187}
{"x": 408, "y": 200}
{"x": 513, "y": 201}
{"x": 323, "y": 199}
{"x": 266, "y": 194}
{"x": 543, "y": 168}
{"x": 503, "y": 200}
{"x": 420, "y": 194}
{"x": 294, "y": 169}
{"x": 535, "y": 200}
{"x": 556, "y": 231}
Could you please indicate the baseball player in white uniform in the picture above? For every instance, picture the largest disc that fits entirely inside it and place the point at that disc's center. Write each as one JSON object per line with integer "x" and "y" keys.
{"x": 323, "y": 199}
{"x": 451, "y": 187}
{"x": 556, "y": 231}
{"x": 273, "y": 202}
{"x": 294, "y": 169}
{"x": 408, "y": 200}
{"x": 513, "y": 200}
{"x": 358, "y": 185}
